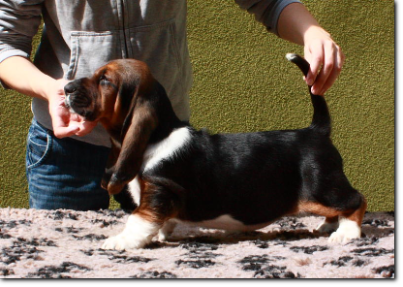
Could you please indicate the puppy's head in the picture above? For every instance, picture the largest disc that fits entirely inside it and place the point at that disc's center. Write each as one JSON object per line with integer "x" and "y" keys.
{"x": 120, "y": 95}
{"x": 110, "y": 94}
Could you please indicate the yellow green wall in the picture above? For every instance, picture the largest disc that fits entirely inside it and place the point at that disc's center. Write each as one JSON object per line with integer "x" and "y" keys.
{"x": 243, "y": 83}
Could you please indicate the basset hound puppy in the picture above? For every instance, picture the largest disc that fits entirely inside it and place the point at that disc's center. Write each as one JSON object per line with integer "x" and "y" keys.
{"x": 236, "y": 182}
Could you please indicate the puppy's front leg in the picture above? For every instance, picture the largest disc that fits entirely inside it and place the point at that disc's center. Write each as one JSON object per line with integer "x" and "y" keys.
{"x": 138, "y": 233}
{"x": 157, "y": 205}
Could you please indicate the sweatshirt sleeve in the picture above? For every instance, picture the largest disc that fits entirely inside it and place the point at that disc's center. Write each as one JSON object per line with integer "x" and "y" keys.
{"x": 19, "y": 22}
{"x": 266, "y": 11}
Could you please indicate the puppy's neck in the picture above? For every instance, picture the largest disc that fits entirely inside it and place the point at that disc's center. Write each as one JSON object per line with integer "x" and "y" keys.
{"x": 167, "y": 119}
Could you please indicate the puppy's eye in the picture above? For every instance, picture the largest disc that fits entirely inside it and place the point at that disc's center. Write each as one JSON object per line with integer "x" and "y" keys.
{"x": 103, "y": 79}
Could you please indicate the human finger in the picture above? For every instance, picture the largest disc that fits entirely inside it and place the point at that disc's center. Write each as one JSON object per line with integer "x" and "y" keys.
{"x": 334, "y": 73}
{"x": 85, "y": 128}
{"x": 329, "y": 62}
{"x": 61, "y": 129}
{"x": 314, "y": 55}
{"x": 60, "y": 117}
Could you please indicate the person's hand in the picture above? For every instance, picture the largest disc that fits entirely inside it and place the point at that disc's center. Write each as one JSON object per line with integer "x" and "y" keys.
{"x": 326, "y": 60}
{"x": 20, "y": 74}
{"x": 298, "y": 26}
{"x": 64, "y": 122}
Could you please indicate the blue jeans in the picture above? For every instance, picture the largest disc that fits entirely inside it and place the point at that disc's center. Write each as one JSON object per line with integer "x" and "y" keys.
{"x": 64, "y": 173}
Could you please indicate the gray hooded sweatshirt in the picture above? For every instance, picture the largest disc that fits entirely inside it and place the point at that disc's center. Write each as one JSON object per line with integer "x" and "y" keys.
{"x": 79, "y": 36}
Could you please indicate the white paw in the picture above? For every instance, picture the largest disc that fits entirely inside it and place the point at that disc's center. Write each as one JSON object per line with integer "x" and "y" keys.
{"x": 137, "y": 234}
{"x": 348, "y": 230}
{"x": 124, "y": 241}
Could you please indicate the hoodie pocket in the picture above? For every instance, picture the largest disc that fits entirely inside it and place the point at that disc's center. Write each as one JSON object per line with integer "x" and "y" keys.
{"x": 157, "y": 45}
{"x": 91, "y": 50}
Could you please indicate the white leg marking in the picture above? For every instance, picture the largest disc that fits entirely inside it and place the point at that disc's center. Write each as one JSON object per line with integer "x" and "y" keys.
{"x": 135, "y": 190}
{"x": 137, "y": 233}
{"x": 347, "y": 231}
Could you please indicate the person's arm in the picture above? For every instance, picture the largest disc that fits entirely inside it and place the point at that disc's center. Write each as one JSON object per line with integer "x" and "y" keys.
{"x": 297, "y": 25}
{"x": 19, "y": 22}
{"x": 290, "y": 20}
{"x": 20, "y": 74}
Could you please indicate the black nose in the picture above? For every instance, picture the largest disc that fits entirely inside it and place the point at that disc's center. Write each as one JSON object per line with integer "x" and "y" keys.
{"x": 70, "y": 88}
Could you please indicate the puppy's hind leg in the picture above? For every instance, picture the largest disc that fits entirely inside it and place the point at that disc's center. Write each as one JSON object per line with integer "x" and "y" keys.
{"x": 350, "y": 224}
{"x": 345, "y": 216}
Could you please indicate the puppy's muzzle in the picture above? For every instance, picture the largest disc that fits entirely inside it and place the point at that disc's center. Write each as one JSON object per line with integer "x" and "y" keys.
{"x": 78, "y": 99}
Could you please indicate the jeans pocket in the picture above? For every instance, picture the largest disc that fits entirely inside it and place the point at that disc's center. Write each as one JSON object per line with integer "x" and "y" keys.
{"x": 38, "y": 146}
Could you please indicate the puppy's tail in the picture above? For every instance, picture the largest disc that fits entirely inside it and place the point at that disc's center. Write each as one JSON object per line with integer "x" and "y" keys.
{"x": 321, "y": 121}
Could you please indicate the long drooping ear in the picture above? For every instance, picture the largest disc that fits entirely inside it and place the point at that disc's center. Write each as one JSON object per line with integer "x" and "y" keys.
{"x": 136, "y": 131}
{"x": 110, "y": 165}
